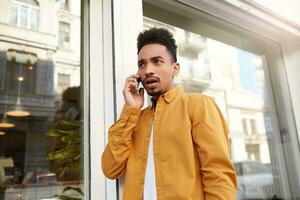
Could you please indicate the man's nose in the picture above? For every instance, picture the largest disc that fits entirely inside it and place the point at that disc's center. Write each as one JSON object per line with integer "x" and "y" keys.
{"x": 149, "y": 69}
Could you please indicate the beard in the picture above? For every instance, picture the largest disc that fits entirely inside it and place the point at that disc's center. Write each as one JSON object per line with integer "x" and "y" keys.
{"x": 155, "y": 93}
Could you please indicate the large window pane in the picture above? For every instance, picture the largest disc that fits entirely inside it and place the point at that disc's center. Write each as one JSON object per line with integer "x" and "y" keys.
{"x": 14, "y": 14}
{"x": 24, "y": 16}
{"x": 64, "y": 35}
{"x": 41, "y": 121}
{"x": 239, "y": 82}
{"x": 34, "y": 18}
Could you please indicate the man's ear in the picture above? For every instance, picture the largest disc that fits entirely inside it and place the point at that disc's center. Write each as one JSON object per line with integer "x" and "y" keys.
{"x": 176, "y": 69}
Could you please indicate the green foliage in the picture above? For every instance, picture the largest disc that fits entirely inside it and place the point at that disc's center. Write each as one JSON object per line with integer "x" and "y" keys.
{"x": 68, "y": 153}
{"x": 69, "y": 188}
{"x": 68, "y": 132}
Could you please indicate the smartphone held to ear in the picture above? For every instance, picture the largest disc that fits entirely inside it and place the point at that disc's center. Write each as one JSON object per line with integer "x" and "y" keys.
{"x": 139, "y": 85}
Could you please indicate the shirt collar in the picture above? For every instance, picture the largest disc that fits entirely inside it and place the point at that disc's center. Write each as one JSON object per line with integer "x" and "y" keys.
{"x": 171, "y": 94}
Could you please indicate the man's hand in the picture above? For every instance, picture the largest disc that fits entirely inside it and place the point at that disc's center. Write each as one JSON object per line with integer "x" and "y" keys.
{"x": 133, "y": 98}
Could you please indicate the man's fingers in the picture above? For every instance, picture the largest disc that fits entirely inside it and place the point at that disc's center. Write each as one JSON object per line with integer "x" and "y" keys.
{"x": 131, "y": 82}
{"x": 131, "y": 87}
{"x": 134, "y": 76}
{"x": 133, "y": 97}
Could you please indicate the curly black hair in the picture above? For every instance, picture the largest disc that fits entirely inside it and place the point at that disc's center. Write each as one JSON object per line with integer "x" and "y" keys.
{"x": 158, "y": 36}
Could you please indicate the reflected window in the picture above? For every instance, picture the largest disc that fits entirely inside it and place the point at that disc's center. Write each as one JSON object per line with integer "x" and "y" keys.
{"x": 24, "y": 13}
{"x": 20, "y": 72}
{"x": 253, "y": 151}
{"x": 20, "y": 76}
{"x": 64, "y": 4}
{"x": 41, "y": 137}
{"x": 64, "y": 35}
{"x": 249, "y": 126}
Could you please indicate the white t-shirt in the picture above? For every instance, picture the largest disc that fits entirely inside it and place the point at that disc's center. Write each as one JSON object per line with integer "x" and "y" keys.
{"x": 150, "y": 184}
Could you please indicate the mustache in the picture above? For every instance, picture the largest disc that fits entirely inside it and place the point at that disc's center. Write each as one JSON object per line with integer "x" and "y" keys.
{"x": 150, "y": 78}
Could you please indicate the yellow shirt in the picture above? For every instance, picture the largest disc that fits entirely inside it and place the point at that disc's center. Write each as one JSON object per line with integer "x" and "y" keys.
{"x": 190, "y": 145}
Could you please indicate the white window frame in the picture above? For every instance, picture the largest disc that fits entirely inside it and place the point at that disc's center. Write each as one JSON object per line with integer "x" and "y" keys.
{"x": 112, "y": 58}
{"x": 98, "y": 94}
{"x": 102, "y": 87}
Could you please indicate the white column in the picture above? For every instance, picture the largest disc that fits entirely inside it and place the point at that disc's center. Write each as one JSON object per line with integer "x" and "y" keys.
{"x": 122, "y": 28}
{"x": 101, "y": 95}
{"x": 128, "y": 22}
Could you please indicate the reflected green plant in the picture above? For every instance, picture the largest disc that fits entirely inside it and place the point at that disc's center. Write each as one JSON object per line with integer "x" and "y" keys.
{"x": 69, "y": 188}
{"x": 68, "y": 153}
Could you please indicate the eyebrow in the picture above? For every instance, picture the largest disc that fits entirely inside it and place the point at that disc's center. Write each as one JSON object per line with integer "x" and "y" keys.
{"x": 141, "y": 61}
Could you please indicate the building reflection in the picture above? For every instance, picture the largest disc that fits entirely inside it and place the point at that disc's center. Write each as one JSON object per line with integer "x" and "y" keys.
{"x": 39, "y": 60}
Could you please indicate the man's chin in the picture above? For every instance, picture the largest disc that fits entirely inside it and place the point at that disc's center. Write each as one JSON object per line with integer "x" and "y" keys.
{"x": 154, "y": 93}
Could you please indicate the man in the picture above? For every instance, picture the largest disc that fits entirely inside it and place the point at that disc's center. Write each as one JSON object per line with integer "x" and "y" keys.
{"x": 176, "y": 149}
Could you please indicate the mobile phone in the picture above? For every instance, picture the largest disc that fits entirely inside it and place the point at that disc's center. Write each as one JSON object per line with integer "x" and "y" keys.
{"x": 139, "y": 85}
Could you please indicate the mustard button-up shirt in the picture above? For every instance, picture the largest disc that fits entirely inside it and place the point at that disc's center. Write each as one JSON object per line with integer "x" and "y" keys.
{"x": 190, "y": 146}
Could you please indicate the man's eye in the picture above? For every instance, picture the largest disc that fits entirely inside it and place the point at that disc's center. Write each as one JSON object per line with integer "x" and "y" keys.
{"x": 140, "y": 65}
{"x": 157, "y": 61}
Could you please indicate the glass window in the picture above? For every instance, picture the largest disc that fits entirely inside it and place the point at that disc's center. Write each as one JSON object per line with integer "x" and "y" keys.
{"x": 247, "y": 71}
{"x": 34, "y": 18}
{"x": 24, "y": 13}
{"x": 215, "y": 62}
{"x": 63, "y": 4}
{"x": 20, "y": 76}
{"x": 249, "y": 126}
{"x": 14, "y": 14}
{"x": 24, "y": 16}
{"x": 41, "y": 138}
{"x": 64, "y": 35}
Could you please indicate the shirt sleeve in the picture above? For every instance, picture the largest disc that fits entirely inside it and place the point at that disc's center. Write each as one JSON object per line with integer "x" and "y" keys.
{"x": 116, "y": 153}
{"x": 210, "y": 134}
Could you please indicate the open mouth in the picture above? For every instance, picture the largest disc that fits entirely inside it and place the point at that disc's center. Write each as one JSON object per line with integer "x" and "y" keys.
{"x": 151, "y": 82}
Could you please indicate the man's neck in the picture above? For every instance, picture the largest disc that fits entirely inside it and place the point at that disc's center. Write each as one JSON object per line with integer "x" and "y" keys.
{"x": 154, "y": 100}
